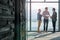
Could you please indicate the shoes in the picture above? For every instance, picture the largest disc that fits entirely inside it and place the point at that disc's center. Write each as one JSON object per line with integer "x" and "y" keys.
{"x": 53, "y": 32}
{"x": 45, "y": 31}
{"x": 39, "y": 31}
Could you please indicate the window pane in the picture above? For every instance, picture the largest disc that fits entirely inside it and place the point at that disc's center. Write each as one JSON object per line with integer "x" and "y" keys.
{"x": 27, "y": 0}
{"x": 28, "y": 16}
{"x": 51, "y": 0}
{"x": 37, "y": 0}
{"x": 34, "y": 10}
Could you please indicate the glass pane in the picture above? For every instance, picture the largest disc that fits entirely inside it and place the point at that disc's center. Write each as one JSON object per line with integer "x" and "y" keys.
{"x": 37, "y": 0}
{"x": 27, "y": 0}
{"x": 34, "y": 10}
{"x": 28, "y": 16}
{"x": 51, "y": 0}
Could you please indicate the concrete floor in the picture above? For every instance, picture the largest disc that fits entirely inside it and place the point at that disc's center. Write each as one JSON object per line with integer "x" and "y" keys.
{"x": 43, "y": 36}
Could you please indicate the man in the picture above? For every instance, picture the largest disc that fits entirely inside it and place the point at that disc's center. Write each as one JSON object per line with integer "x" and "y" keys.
{"x": 39, "y": 18}
{"x": 54, "y": 19}
{"x": 46, "y": 18}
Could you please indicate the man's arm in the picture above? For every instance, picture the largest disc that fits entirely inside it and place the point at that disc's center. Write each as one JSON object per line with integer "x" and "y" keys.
{"x": 56, "y": 15}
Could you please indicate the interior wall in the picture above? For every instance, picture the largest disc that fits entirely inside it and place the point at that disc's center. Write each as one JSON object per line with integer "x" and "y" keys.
{"x": 6, "y": 19}
{"x": 20, "y": 22}
{"x": 12, "y": 20}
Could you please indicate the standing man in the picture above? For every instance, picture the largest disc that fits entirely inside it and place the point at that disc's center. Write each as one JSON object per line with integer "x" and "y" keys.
{"x": 46, "y": 18}
{"x": 39, "y": 18}
{"x": 54, "y": 19}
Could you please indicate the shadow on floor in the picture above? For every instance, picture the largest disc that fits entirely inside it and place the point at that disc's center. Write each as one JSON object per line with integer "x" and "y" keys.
{"x": 42, "y": 36}
{"x": 57, "y": 38}
{"x": 34, "y": 34}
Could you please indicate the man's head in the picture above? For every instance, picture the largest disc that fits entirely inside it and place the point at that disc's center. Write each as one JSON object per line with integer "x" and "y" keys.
{"x": 39, "y": 10}
{"x": 53, "y": 9}
{"x": 46, "y": 8}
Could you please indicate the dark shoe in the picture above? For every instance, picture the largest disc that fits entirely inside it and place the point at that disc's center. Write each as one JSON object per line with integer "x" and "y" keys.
{"x": 46, "y": 31}
{"x": 53, "y": 32}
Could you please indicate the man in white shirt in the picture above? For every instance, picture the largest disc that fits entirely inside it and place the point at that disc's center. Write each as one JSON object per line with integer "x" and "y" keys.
{"x": 46, "y": 18}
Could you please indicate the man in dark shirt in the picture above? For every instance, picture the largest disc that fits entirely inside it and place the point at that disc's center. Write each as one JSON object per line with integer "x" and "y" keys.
{"x": 54, "y": 19}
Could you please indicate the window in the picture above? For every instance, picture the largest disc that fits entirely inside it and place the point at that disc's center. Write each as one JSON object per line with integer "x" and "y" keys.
{"x": 28, "y": 16}
{"x": 32, "y": 24}
{"x": 27, "y": 0}
{"x": 34, "y": 9}
{"x": 51, "y": 0}
{"x": 37, "y": 0}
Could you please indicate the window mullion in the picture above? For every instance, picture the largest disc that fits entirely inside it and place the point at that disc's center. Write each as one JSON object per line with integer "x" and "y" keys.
{"x": 30, "y": 15}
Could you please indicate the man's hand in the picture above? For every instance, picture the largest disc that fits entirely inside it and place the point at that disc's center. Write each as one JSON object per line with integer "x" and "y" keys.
{"x": 46, "y": 16}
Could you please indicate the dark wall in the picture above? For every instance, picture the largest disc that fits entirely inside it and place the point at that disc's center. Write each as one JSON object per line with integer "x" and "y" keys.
{"x": 20, "y": 22}
{"x": 6, "y": 19}
{"x": 12, "y": 20}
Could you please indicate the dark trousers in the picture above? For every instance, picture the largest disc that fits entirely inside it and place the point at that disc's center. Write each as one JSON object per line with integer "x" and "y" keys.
{"x": 45, "y": 24}
{"x": 54, "y": 25}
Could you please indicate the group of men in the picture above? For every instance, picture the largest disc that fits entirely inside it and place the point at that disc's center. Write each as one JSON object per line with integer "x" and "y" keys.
{"x": 46, "y": 16}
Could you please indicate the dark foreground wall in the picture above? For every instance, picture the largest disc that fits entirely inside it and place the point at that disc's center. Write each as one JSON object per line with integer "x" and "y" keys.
{"x": 12, "y": 20}
{"x": 20, "y": 22}
{"x": 6, "y": 19}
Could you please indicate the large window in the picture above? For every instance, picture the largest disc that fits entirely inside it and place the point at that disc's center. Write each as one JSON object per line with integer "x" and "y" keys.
{"x": 51, "y": 0}
{"x": 28, "y": 16}
{"x": 37, "y": 0}
{"x": 34, "y": 9}
{"x": 32, "y": 14}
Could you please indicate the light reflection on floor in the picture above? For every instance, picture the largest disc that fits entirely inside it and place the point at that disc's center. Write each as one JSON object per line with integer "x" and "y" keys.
{"x": 43, "y": 36}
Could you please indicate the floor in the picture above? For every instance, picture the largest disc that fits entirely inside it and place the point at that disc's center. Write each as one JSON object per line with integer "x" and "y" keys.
{"x": 43, "y": 36}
